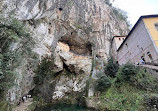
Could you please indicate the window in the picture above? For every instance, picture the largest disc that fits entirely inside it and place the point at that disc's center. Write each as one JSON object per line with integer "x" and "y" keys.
{"x": 126, "y": 45}
{"x": 156, "y": 26}
{"x": 150, "y": 56}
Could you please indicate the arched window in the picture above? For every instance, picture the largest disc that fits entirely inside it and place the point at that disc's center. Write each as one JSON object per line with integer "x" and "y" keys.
{"x": 126, "y": 45}
{"x": 150, "y": 56}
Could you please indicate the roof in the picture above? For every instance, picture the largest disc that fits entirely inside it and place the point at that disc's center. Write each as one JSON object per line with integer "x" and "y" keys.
{"x": 117, "y": 36}
{"x": 142, "y": 17}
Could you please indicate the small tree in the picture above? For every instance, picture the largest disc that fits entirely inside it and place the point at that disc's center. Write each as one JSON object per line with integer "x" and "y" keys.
{"x": 108, "y": 2}
{"x": 102, "y": 83}
{"x": 126, "y": 72}
{"x": 111, "y": 67}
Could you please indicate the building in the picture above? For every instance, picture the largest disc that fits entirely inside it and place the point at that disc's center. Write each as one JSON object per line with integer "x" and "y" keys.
{"x": 116, "y": 42}
{"x": 141, "y": 43}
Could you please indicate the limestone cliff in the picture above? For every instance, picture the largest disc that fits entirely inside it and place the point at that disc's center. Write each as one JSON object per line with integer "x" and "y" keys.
{"x": 69, "y": 30}
{"x": 76, "y": 22}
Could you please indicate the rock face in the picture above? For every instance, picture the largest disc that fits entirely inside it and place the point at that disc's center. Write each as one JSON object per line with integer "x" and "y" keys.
{"x": 79, "y": 23}
{"x": 69, "y": 30}
{"x": 79, "y": 67}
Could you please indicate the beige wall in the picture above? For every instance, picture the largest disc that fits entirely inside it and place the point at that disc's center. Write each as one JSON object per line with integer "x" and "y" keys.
{"x": 114, "y": 50}
{"x": 117, "y": 41}
{"x": 138, "y": 44}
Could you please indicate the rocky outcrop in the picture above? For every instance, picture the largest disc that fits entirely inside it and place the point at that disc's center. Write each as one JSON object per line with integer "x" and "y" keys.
{"x": 76, "y": 63}
{"x": 69, "y": 30}
{"x": 72, "y": 70}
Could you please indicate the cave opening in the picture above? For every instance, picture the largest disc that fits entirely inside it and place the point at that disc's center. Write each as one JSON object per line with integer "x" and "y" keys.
{"x": 83, "y": 50}
{"x": 32, "y": 92}
{"x": 60, "y": 9}
{"x": 67, "y": 69}
{"x": 89, "y": 48}
{"x": 79, "y": 49}
{"x": 77, "y": 45}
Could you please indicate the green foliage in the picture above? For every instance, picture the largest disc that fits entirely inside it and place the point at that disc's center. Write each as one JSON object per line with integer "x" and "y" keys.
{"x": 123, "y": 98}
{"x": 145, "y": 81}
{"x": 93, "y": 63}
{"x": 137, "y": 76}
{"x": 3, "y": 106}
{"x": 121, "y": 14}
{"x": 44, "y": 71}
{"x": 151, "y": 102}
{"x": 78, "y": 26}
{"x": 32, "y": 106}
{"x": 82, "y": 101}
{"x": 108, "y": 2}
{"x": 37, "y": 21}
{"x": 111, "y": 67}
{"x": 102, "y": 83}
{"x": 125, "y": 72}
{"x": 12, "y": 32}
{"x": 133, "y": 89}
{"x": 37, "y": 102}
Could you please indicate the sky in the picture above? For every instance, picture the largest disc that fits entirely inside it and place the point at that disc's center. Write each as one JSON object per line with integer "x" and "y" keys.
{"x": 137, "y": 8}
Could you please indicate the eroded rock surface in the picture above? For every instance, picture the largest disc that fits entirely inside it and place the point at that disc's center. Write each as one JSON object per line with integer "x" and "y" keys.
{"x": 76, "y": 22}
{"x": 79, "y": 68}
{"x": 69, "y": 30}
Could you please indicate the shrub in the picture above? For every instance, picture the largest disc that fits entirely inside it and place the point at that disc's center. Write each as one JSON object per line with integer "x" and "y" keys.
{"x": 151, "y": 102}
{"x": 81, "y": 100}
{"x": 123, "y": 98}
{"x": 44, "y": 70}
{"x": 121, "y": 14}
{"x": 102, "y": 83}
{"x": 111, "y": 67}
{"x": 138, "y": 77}
{"x": 108, "y": 2}
{"x": 143, "y": 80}
{"x": 126, "y": 72}
{"x": 3, "y": 106}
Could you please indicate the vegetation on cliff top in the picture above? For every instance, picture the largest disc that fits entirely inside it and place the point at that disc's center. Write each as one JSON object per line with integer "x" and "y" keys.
{"x": 121, "y": 14}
